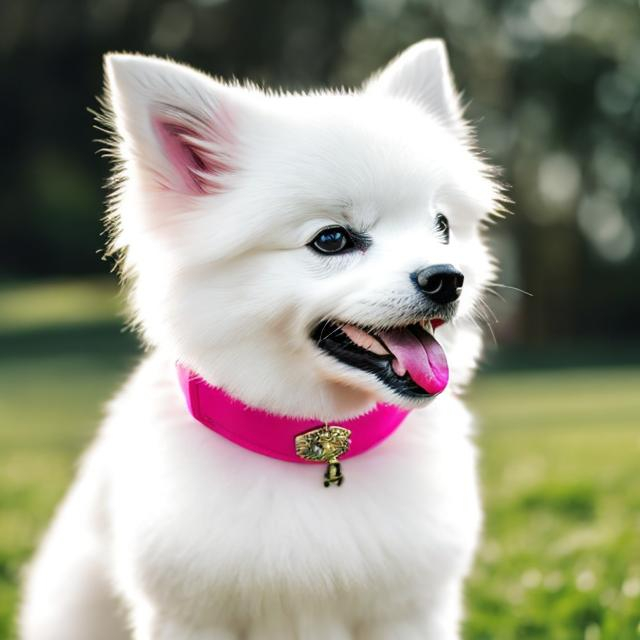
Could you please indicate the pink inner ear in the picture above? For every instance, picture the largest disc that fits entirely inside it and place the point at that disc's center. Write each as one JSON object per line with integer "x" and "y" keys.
{"x": 197, "y": 156}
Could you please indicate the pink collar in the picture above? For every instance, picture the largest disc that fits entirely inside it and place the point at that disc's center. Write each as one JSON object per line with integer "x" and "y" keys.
{"x": 275, "y": 436}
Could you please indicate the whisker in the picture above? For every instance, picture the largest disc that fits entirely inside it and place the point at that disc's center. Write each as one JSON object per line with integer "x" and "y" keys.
{"x": 488, "y": 289}
{"x": 508, "y": 286}
{"x": 488, "y": 308}
{"x": 493, "y": 335}
{"x": 344, "y": 324}
{"x": 481, "y": 315}
{"x": 327, "y": 322}
{"x": 488, "y": 325}
{"x": 324, "y": 326}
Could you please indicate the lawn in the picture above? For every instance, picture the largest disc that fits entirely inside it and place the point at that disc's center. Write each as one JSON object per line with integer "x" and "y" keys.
{"x": 559, "y": 467}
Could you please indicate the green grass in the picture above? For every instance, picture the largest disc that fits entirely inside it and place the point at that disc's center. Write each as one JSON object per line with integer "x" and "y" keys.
{"x": 561, "y": 552}
{"x": 559, "y": 466}
{"x": 50, "y": 304}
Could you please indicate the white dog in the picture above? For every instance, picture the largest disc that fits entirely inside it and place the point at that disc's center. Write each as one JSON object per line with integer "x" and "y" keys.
{"x": 295, "y": 253}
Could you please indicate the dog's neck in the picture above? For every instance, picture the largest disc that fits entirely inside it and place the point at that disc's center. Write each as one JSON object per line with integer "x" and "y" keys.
{"x": 274, "y": 435}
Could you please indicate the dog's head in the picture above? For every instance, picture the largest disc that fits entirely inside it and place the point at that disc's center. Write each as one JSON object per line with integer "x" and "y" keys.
{"x": 301, "y": 250}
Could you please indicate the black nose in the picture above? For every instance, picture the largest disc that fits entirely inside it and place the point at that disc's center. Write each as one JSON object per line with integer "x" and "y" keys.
{"x": 441, "y": 283}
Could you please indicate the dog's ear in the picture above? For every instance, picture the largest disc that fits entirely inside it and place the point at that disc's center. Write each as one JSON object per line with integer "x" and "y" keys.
{"x": 176, "y": 126}
{"x": 422, "y": 74}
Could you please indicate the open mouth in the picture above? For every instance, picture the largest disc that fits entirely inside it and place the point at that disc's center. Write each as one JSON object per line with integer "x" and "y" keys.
{"x": 408, "y": 359}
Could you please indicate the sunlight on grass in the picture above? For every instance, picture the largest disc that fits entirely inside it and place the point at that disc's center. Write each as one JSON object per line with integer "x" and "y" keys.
{"x": 560, "y": 557}
{"x": 74, "y": 302}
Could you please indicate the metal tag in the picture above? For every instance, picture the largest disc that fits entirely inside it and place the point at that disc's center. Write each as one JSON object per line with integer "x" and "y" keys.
{"x": 325, "y": 444}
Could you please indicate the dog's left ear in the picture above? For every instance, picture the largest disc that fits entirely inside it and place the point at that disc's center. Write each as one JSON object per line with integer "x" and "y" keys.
{"x": 422, "y": 75}
{"x": 177, "y": 128}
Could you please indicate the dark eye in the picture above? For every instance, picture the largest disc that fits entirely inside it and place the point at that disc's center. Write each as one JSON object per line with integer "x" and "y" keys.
{"x": 442, "y": 227}
{"x": 332, "y": 240}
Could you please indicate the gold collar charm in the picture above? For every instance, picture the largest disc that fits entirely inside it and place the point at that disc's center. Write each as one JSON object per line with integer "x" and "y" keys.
{"x": 325, "y": 444}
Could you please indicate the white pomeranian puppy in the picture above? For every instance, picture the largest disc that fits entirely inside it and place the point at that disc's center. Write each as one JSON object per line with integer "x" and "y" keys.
{"x": 291, "y": 460}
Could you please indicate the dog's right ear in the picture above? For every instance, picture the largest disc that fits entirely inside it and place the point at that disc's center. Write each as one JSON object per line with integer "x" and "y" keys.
{"x": 177, "y": 127}
{"x": 422, "y": 75}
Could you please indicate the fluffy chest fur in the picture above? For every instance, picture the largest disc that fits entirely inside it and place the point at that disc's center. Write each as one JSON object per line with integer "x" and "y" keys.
{"x": 202, "y": 524}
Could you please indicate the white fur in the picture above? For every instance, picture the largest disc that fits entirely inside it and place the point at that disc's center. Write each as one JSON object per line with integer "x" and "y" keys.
{"x": 171, "y": 532}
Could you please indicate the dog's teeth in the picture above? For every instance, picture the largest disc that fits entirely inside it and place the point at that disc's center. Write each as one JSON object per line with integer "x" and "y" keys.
{"x": 426, "y": 325}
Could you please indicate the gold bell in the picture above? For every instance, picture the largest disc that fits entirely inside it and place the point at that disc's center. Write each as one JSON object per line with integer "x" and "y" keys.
{"x": 325, "y": 444}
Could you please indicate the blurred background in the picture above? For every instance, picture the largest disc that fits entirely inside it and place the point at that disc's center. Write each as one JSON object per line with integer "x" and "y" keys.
{"x": 554, "y": 91}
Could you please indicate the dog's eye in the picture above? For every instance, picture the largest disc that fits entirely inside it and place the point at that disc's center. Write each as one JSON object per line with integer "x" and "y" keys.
{"x": 442, "y": 227}
{"x": 332, "y": 240}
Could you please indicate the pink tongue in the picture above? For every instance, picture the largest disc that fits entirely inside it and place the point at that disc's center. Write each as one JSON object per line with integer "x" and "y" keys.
{"x": 421, "y": 356}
